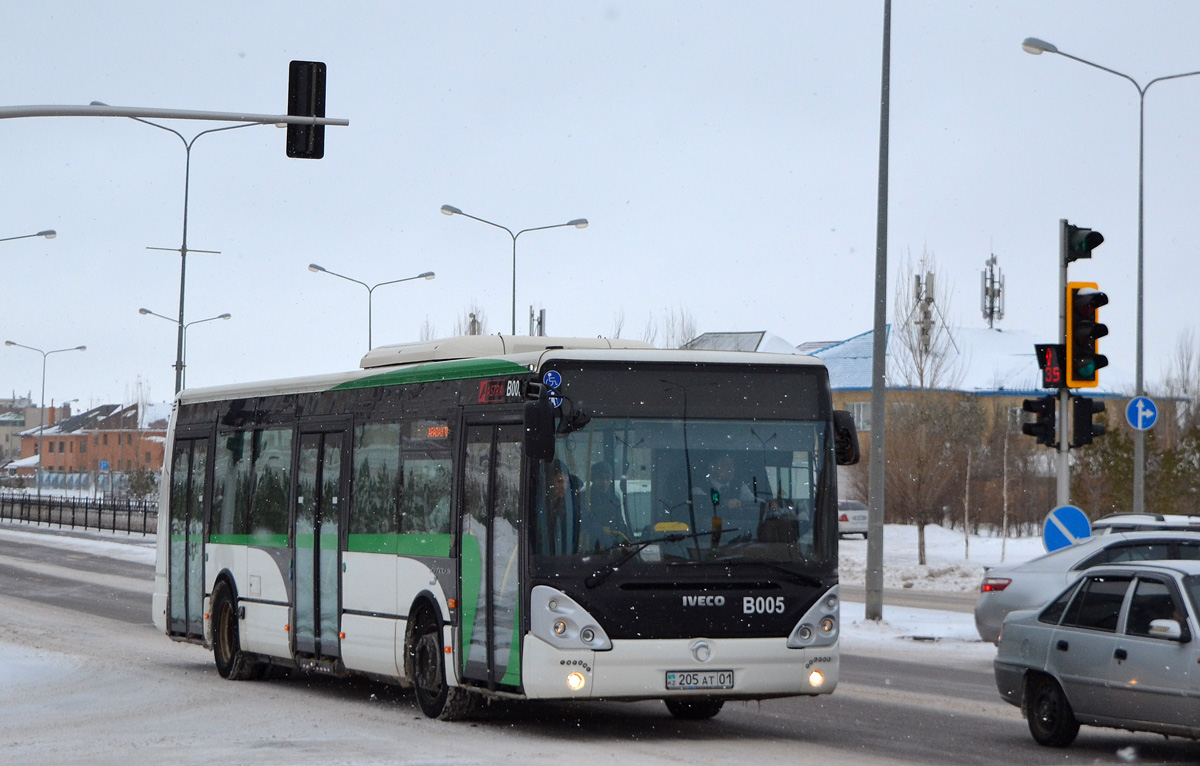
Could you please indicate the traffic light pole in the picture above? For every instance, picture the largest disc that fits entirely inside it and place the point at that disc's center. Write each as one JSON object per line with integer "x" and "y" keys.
{"x": 1064, "y": 393}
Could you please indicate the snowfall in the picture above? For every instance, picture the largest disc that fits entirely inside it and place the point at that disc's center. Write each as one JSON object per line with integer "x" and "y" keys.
{"x": 101, "y": 702}
{"x": 954, "y": 564}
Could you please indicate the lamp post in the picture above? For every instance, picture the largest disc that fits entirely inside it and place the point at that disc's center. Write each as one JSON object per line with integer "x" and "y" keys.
{"x": 183, "y": 357}
{"x": 42, "y": 408}
{"x": 1037, "y": 47}
{"x": 183, "y": 248}
{"x": 48, "y": 234}
{"x": 578, "y": 223}
{"x": 370, "y": 289}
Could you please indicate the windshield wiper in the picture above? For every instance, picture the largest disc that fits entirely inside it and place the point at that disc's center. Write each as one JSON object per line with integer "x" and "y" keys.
{"x": 800, "y": 577}
{"x": 597, "y": 577}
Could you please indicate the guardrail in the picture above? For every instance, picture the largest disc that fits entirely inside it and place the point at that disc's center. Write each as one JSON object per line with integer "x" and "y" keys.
{"x": 129, "y": 516}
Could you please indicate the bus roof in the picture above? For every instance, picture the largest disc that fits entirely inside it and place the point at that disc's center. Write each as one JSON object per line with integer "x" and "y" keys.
{"x": 473, "y": 356}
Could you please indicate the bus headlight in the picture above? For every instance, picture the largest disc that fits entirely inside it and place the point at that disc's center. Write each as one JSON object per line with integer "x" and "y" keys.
{"x": 561, "y": 622}
{"x": 819, "y": 625}
{"x": 575, "y": 681}
{"x": 816, "y": 678}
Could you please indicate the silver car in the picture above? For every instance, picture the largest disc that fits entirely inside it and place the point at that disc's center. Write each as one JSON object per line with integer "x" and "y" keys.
{"x": 852, "y": 518}
{"x": 1114, "y": 649}
{"x": 1007, "y": 588}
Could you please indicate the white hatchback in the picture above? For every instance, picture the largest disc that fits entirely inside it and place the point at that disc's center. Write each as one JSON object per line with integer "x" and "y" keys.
{"x": 852, "y": 518}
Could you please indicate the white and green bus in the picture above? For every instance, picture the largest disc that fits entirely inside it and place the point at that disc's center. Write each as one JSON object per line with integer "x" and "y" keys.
{"x": 518, "y": 517}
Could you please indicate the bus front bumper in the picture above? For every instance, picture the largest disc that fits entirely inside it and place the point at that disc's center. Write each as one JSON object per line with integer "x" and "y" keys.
{"x": 732, "y": 668}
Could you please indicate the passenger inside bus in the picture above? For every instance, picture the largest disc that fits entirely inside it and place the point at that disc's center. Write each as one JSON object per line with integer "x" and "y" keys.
{"x": 604, "y": 523}
{"x": 558, "y": 512}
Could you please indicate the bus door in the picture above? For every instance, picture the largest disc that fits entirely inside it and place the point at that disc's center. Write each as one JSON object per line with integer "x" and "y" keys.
{"x": 489, "y": 562}
{"x": 317, "y": 549}
{"x": 185, "y": 585}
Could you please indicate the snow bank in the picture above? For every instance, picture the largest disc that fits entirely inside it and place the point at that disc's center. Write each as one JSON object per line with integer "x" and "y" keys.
{"x": 946, "y": 569}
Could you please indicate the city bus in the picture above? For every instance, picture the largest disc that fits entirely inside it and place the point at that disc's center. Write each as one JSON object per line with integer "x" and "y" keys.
{"x": 515, "y": 517}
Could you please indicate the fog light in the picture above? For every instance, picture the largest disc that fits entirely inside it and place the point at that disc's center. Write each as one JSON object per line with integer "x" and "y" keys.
{"x": 575, "y": 681}
{"x": 816, "y": 678}
{"x": 827, "y": 625}
{"x": 560, "y": 627}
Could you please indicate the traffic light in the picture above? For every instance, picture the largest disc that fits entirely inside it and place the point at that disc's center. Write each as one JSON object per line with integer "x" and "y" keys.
{"x": 1081, "y": 242}
{"x": 1083, "y": 363}
{"x": 1050, "y": 359}
{"x": 1082, "y": 427}
{"x": 1043, "y": 426}
{"x": 306, "y": 97}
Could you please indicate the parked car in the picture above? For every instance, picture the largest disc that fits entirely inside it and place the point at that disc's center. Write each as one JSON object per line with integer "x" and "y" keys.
{"x": 1144, "y": 522}
{"x": 1007, "y": 588}
{"x": 1115, "y": 649}
{"x": 852, "y": 518}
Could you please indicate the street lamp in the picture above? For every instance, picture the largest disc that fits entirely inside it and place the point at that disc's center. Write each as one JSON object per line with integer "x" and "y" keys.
{"x": 42, "y": 408}
{"x": 183, "y": 248}
{"x": 48, "y": 234}
{"x": 183, "y": 357}
{"x": 578, "y": 223}
{"x": 1037, "y": 47}
{"x": 370, "y": 289}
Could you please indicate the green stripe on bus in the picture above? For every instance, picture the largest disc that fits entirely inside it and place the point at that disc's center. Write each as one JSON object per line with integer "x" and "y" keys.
{"x": 401, "y": 545}
{"x": 471, "y": 562}
{"x": 264, "y": 541}
{"x": 457, "y": 369}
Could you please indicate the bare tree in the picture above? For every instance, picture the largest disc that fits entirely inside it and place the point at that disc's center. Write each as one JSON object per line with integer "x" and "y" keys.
{"x": 473, "y": 321}
{"x": 922, "y": 346}
{"x": 929, "y": 441}
{"x": 677, "y": 327}
{"x": 427, "y": 331}
{"x": 1183, "y": 381}
{"x": 618, "y": 324}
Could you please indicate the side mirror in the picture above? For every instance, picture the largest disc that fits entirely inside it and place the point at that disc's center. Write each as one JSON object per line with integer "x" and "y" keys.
{"x": 539, "y": 425}
{"x": 1168, "y": 629}
{"x": 845, "y": 438}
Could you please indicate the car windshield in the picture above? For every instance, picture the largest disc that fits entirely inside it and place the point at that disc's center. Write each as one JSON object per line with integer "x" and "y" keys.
{"x": 695, "y": 491}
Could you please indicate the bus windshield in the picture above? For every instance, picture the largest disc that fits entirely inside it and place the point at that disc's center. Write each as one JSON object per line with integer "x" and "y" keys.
{"x": 682, "y": 491}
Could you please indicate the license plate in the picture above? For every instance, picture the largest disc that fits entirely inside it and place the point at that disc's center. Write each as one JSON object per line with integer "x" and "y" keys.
{"x": 679, "y": 680}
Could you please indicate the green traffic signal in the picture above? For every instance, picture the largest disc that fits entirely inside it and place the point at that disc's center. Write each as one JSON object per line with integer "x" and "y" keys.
{"x": 1081, "y": 242}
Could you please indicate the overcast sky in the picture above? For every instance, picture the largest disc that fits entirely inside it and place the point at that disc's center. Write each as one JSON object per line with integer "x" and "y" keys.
{"x": 725, "y": 154}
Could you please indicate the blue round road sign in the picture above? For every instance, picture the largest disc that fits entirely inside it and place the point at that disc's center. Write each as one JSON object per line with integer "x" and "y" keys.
{"x": 1141, "y": 413}
{"x": 552, "y": 379}
{"x": 1065, "y": 525}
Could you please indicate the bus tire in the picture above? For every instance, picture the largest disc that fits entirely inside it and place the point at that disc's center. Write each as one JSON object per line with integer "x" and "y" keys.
{"x": 692, "y": 709}
{"x": 232, "y": 662}
{"x": 426, "y": 657}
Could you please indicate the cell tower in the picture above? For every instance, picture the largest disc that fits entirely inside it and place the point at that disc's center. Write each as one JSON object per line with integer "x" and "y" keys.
{"x": 991, "y": 299}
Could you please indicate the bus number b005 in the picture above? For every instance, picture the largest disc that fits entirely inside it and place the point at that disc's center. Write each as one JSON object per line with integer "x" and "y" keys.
{"x": 762, "y": 605}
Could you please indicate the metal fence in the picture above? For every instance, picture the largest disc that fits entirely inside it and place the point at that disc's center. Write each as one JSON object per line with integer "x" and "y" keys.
{"x": 129, "y": 516}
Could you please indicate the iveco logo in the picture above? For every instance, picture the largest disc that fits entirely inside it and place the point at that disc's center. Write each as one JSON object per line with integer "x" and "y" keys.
{"x": 704, "y": 601}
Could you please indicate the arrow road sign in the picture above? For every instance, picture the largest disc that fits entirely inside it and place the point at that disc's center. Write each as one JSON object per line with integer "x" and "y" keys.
{"x": 1141, "y": 413}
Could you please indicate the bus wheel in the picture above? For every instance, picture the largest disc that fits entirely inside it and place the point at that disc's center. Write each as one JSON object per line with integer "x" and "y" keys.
{"x": 437, "y": 698}
{"x": 694, "y": 709}
{"x": 232, "y": 662}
